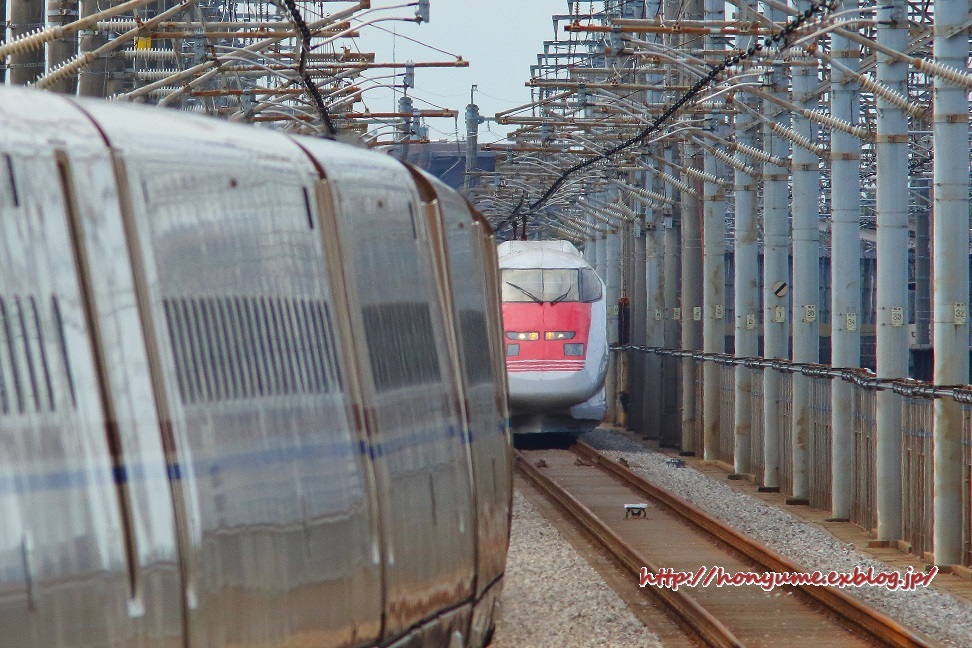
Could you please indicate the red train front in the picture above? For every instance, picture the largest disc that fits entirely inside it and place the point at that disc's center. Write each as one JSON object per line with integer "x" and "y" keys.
{"x": 554, "y": 321}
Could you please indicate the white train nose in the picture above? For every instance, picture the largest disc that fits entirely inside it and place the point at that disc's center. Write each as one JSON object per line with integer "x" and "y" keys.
{"x": 545, "y": 390}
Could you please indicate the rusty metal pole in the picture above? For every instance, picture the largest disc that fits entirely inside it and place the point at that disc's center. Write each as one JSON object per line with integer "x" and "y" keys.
{"x": 892, "y": 250}
{"x": 25, "y": 16}
{"x": 951, "y": 250}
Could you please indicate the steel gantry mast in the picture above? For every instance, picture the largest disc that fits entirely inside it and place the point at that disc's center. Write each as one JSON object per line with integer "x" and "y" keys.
{"x": 292, "y": 63}
{"x": 780, "y": 160}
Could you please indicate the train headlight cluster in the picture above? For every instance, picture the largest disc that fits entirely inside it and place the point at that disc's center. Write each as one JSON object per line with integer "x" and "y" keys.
{"x": 574, "y": 349}
{"x": 525, "y": 335}
{"x": 559, "y": 335}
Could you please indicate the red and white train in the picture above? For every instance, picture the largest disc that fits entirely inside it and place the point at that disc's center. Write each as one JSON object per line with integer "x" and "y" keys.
{"x": 555, "y": 328}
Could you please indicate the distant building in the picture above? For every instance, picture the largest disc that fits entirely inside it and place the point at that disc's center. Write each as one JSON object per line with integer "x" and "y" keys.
{"x": 447, "y": 160}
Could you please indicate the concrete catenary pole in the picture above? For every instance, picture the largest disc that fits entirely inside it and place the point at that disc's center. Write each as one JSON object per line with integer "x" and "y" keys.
{"x": 951, "y": 253}
{"x": 62, "y": 12}
{"x": 806, "y": 275}
{"x": 472, "y": 141}
{"x": 612, "y": 277}
{"x": 746, "y": 285}
{"x": 93, "y": 78}
{"x": 713, "y": 271}
{"x": 691, "y": 299}
{"x": 25, "y": 16}
{"x": 671, "y": 430}
{"x": 404, "y": 129}
{"x": 745, "y": 278}
{"x": 776, "y": 252}
{"x": 892, "y": 248}
{"x": 845, "y": 266}
{"x": 655, "y": 282}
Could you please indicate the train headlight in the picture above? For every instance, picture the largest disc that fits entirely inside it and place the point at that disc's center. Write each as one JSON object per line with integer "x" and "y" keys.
{"x": 574, "y": 349}
{"x": 559, "y": 335}
{"x": 512, "y": 350}
{"x": 522, "y": 335}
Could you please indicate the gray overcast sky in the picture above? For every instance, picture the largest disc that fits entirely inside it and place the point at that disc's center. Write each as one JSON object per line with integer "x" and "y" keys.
{"x": 499, "y": 38}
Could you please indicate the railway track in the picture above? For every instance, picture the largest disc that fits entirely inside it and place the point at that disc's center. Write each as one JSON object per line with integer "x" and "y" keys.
{"x": 593, "y": 491}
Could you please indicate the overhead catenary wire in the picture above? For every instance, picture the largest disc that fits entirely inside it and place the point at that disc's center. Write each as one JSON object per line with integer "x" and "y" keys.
{"x": 729, "y": 62}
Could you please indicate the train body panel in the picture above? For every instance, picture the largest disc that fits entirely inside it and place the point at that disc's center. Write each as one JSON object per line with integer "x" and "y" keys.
{"x": 555, "y": 326}
{"x": 468, "y": 271}
{"x": 410, "y": 395}
{"x": 85, "y": 467}
{"x": 210, "y": 438}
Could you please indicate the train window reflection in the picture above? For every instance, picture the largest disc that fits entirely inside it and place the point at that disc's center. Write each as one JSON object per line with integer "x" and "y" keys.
{"x": 550, "y": 285}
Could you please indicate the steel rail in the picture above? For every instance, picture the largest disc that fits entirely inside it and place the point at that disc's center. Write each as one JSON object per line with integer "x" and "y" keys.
{"x": 700, "y": 621}
{"x": 876, "y": 625}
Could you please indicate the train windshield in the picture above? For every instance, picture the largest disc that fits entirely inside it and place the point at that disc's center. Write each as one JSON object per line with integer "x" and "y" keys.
{"x": 550, "y": 285}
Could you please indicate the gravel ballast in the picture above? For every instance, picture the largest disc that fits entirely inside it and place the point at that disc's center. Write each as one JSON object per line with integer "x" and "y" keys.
{"x": 929, "y": 611}
{"x": 552, "y": 597}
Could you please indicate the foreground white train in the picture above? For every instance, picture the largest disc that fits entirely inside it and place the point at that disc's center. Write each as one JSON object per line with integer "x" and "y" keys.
{"x": 251, "y": 389}
{"x": 555, "y": 325}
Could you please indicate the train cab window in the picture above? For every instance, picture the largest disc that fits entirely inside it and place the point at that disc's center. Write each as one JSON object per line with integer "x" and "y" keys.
{"x": 550, "y": 285}
{"x": 590, "y": 286}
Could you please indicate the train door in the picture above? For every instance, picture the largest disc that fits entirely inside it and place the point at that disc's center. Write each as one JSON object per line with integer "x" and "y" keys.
{"x": 78, "y": 530}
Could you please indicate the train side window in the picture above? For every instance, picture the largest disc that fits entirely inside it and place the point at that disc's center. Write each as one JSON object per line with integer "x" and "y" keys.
{"x": 327, "y": 331}
{"x": 269, "y": 350}
{"x": 12, "y": 354}
{"x": 193, "y": 378}
{"x": 4, "y": 393}
{"x": 302, "y": 346}
{"x": 178, "y": 350}
{"x": 284, "y": 338}
{"x": 479, "y": 368}
{"x": 28, "y": 354}
{"x": 14, "y": 199}
{"x": 307, "y": 206}
{"x": 62, "y": 342}
{"x": 234, "y": 347}
{"x": 590, "y": 285}
{"x": 263, "y": 367}
{"x": 316, "y": 348}
{"x": 245, "y": 318}
{"x": 42, "y": 351}
{"x": 295, "y": 352}
{"x": 217, "y": 352}
{"x": 199, "y": 351}
{"x": 401, "y": 347}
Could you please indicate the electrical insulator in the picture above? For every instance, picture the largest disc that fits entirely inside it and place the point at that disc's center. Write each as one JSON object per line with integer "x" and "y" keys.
{"x": 422, "y": 13}
{"x": 409, "y": 81}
